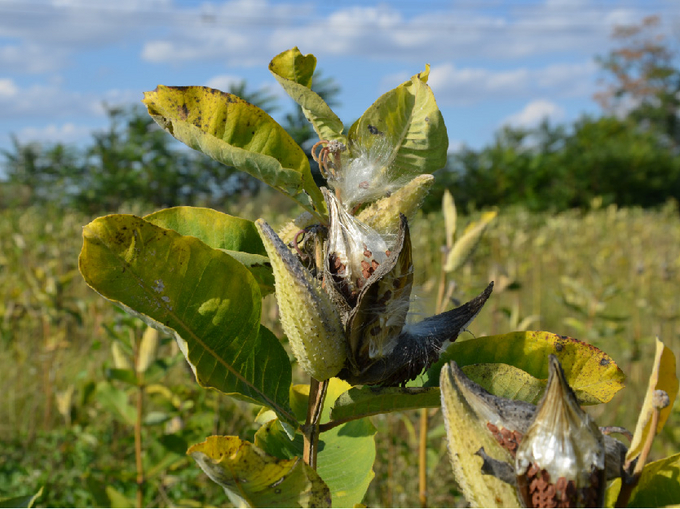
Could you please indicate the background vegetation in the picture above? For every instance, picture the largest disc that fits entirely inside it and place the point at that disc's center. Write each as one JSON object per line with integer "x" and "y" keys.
{"x": 587, "y": 244}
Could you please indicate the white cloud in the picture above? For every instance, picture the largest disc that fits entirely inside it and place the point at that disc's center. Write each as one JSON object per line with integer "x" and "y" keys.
{"x": 53, "y": 133}
{"x": 467, "y": 86}
{"x": 51, "y": 101}
{"x": 534, "y": 113}
{"x": 8, "y": 89}
{"x": 31, "y": 58}
{"x": 249, "y": 32}
{"x": 224, "y": 82}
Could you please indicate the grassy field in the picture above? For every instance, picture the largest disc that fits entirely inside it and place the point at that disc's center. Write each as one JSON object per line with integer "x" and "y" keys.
{"x": 610, "y": 277}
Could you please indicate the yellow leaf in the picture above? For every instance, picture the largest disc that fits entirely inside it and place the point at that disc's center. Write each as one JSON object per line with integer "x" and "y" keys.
{"x": 465, "y": 247}
{"x": 254, "y": 478}
{"x": 663, "y": 378}
{"x": 449, "y": 210}
{"x": 148, "y": 347}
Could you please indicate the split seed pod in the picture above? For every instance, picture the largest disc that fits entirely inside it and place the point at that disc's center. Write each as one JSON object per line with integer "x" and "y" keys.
{"x": 371, "y": 281}
{"x": 561, "y": 460}
{"x": 309, "y": 318}
{"x": 513, "y": 426}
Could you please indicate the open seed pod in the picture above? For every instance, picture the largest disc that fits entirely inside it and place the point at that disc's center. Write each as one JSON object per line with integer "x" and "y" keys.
{"x": 561, "y": 460}
{"x": 510, "y": 423}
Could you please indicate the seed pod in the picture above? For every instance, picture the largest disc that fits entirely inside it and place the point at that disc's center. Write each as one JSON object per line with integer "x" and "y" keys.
{"x": 383, "y": 215}
{"x": 561, "y": 460}
{"x": 309, "y": 318}
{"x": 507, "y": 420}
{"x": 417, "y": 346}
{"x": 354, "y": 250}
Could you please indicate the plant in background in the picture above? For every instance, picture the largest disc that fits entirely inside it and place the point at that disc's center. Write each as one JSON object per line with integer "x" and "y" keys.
{"x": 342, "y": 272}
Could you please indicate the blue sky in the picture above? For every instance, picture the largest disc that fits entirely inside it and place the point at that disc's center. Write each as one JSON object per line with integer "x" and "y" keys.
{"x": 493, "y": 62}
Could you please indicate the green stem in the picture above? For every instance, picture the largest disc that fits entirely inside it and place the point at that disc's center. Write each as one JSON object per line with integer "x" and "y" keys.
{"x": 138, "y": 431}
{"x": 311, "y": 428}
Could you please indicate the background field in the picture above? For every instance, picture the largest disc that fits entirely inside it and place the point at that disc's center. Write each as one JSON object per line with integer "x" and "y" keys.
{"x": 609, "y": 276}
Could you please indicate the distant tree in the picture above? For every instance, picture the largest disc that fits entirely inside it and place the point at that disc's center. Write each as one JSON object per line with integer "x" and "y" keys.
{"x": 556, "y": 168}
{"x": 643, "y": 77}
{"x": 34, "y": 173}
{"x": 131, "y": 160}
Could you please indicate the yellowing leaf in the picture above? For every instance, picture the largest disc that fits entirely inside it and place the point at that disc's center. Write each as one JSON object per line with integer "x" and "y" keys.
{"x": 663, "y": 378}
{"x": 294, "y": 71}
{"x": 235, "y": 236}
{"x": 465, "y": 437}
{"x": 658, "y": 485}
{"x": 148, "y": 347}
{"x": 236, "y": 133}
{"x": 408, "y": 124}
{"x": 209, "y": 302}
{"x": 346, "y": 452}
{"x": 590, "y": 372}
{"x": 252, "y": 477}
{"x": 465, "y": 247}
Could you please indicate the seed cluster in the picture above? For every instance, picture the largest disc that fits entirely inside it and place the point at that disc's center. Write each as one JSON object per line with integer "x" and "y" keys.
{"x": 539, "y": 491}
{"x": 508, "y": 439}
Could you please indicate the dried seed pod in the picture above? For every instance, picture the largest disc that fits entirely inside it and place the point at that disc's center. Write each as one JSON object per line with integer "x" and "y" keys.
{"x": 561, "y": 460}
{"x": 309, "y": 317}
{"x": 417, "y": 346}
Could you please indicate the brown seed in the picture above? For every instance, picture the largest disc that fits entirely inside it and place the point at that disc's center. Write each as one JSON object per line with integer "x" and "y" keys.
{"x": 550, "y": 491}
{"x": 533, "y": 470}
{"x": 367, "y": 253}
{"x": 561, "y": 484}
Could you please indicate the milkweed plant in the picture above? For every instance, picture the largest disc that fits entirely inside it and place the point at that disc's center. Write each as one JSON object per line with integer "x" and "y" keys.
{"x": 342, "y": 273}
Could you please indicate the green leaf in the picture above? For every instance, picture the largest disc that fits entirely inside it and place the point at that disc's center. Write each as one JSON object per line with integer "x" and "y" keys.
{"x": 465, "y": 438}
{"x": 207, "y": 300}
{"x": 592, "y": 374}
{"x": 368, "y": 401}
{"x": 346, "y": 452}
{"x": 236, "y": 236}
{"x": 658, "y": 485}
{"x": 294, "y": 71}
{"x": 127, "y": 376}
{"x": 254, "y": 478}
{"x": 407, "y": 123}
{"x": 115, "y": 400}
{"x": 663, "y": 378}
{"x": 466, "y": 245}
{"x": 116, "y": 498}
{"x": 21, "y": 501}
{"x": 236, "y": 133}
{"x": 216, "y": 229}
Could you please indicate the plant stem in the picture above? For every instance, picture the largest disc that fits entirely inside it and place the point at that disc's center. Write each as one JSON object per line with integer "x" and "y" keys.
{"x": 310, "y": 430}
{"x": 628, "y": 484}
{"x": 422, "y": 459}
{"x": 138, "y": 431}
